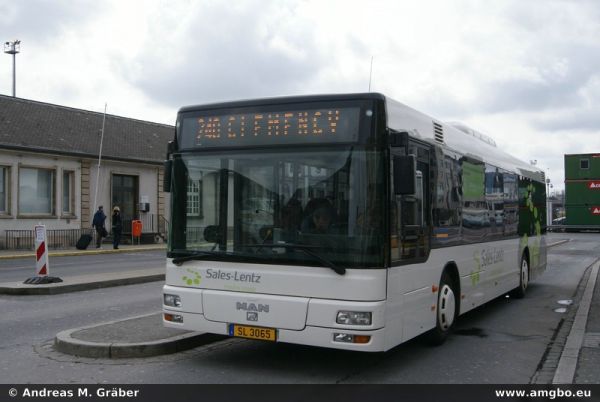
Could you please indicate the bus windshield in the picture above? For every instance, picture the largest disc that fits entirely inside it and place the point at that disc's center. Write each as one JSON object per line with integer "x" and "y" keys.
{"x": 298, "y": 207}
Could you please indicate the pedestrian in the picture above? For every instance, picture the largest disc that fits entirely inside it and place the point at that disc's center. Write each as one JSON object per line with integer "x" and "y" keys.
{"x": 98, "y": 224}
{"x": 117, "y": 227}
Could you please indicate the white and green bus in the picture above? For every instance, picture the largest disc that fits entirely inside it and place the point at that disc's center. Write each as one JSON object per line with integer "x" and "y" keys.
{"x": 343, "y": 221}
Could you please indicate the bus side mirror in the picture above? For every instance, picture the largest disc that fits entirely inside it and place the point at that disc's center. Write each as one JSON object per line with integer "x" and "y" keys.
{"x": 398, "y": 139}
{"x": 171, "y": 148}
{"x": 405, "y": 175}
{"x": 167, "y": 176}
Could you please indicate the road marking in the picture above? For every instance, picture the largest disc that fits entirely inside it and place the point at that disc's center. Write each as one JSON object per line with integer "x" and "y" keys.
{"x": 565, "y": 372}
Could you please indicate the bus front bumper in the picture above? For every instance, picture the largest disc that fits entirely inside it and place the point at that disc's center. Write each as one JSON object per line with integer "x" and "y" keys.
{"x": 373, "y": 340}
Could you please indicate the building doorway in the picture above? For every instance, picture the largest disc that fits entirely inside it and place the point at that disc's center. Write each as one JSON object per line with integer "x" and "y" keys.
{"x": 125, "y": 193}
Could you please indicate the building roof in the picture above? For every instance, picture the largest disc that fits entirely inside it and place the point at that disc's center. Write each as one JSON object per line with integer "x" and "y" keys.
{"x": 46, "y": 128}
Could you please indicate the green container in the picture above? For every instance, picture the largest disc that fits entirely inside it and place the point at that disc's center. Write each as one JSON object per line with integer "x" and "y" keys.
{"x": 582, "y": 189}
{"x": 582, "y": 192}
{"x": 582, "y": 216}
{"x": 582, "y": 166}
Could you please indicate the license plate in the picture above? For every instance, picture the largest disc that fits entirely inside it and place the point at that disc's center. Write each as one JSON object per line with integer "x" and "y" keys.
{"x": 244, "y": 331}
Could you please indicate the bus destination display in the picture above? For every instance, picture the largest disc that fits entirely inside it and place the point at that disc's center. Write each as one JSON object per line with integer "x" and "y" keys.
{"x": 272, "y": 128}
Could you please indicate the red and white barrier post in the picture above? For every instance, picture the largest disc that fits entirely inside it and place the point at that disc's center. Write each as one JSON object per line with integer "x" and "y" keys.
{"x": 42, "y": 265}
{"x": 41, "y": 251}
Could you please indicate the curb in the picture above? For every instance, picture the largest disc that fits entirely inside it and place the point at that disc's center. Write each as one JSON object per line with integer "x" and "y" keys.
{"x": 55, "y": 289}
{"x": 64, "y": 342}
{"x": 549, "y": 362}
{"x": 558, "y": 243}
{"x": 567, "y": 364}
{"x": 84, "y": 252}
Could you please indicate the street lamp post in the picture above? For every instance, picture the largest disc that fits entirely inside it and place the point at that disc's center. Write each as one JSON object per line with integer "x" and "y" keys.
{"x": 13, "y": 47}
{"x": 548, "y": 202}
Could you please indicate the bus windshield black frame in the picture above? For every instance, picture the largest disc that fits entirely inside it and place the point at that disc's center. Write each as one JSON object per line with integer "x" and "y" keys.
{"x": 357, "y": 115}
{"x": 353, "y": 165}
{"x": 242, "y": 204}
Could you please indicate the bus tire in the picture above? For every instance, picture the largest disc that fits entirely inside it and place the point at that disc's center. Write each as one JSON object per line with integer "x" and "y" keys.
{"x": 446, "y": 310}
{"x": 519, "y": 291}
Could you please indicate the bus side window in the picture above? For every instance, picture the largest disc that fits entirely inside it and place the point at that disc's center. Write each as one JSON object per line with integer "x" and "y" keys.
{"x": 411, "y": 225}
{"x": 412, "y": 205}
{"x": 410, "y": 216}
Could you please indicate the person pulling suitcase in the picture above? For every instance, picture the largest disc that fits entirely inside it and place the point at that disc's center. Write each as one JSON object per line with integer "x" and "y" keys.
{"x": 98, "y": 224}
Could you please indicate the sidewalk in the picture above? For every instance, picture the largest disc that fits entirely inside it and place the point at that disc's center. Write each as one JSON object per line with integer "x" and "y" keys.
{"x": 106, "y": 249}
{"x": 573, "y": 355}
{"x": 588, "y": 364}
{"x": 87, "y": 281}
{"x": 142, "y": 336}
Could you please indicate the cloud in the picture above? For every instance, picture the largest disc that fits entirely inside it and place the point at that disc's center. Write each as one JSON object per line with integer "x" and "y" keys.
{"x": 587, "y": 120}
{"x": 582, "y": 115}
{"x": 559, "y": 80}
{"x": 43, "y": 20}
{"x": 251, "y": 49}
{"x": 554, "y": 55}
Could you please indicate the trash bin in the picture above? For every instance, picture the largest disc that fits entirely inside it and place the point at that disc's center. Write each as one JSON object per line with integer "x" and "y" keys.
{"x": 136, "y": 229}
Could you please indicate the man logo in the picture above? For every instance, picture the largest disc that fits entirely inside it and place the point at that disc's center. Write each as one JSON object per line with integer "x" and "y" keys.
{"x": 259, "y": 308}
{"x": 252, "y": 316}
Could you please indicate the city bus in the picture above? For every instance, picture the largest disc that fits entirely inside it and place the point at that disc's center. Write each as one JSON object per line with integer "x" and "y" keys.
{"x": 346, "y": 221}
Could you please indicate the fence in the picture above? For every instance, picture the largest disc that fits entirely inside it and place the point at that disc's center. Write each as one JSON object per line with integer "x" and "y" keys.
{"x": 56, "y": 238}
{"x": 65, "y": 238}
{"x": 152, "y": 225}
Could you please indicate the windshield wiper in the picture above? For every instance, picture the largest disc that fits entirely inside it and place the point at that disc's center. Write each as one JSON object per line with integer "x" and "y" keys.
{"x": 197, "y": 255}
{"x": 307, "y": 250}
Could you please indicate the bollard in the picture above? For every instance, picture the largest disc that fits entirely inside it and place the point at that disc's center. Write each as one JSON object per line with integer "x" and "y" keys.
{"x": 42, "y": 266}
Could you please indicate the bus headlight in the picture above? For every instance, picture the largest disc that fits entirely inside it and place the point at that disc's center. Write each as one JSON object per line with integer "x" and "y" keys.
{"x": 172, "y": 300}
{"x": 349, "y": 338}
{"x": 173, "y": 318}
{"x": 354, "y": 317}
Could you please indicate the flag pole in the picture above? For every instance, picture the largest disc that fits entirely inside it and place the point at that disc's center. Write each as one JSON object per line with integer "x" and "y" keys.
{"x": 99, "y": 161}
{"x": 370, "y": 73}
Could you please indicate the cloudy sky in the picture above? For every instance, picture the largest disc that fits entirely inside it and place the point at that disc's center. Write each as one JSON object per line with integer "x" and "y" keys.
{"x": 527, "y": 73}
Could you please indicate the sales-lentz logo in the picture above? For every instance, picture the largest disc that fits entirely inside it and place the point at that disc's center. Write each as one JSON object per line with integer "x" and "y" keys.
{"x": 234, "y": 276}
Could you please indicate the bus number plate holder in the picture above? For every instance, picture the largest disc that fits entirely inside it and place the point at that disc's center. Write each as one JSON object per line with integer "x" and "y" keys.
{"x": 245, "y": 331}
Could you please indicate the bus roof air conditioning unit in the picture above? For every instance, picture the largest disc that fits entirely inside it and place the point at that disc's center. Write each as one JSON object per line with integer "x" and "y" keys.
{"x": 438, "y": 131}
{"x": 474, "y": 133}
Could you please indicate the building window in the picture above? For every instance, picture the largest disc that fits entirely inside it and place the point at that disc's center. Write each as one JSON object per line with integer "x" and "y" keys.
{"x": 36, "y": 191}
{"x": 4, "y": 189}
{"x": 68, "y": 199}
{"x": 584, "y": 164}
{"x": 194, "y": 197}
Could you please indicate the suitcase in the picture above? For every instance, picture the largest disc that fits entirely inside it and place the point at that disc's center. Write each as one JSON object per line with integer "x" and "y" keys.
{"x": 83, "y": 242}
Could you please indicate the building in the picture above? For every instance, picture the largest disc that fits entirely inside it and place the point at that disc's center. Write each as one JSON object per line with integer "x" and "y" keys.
{"x": 582, "y": 191}
{"x": 49, "y": 171}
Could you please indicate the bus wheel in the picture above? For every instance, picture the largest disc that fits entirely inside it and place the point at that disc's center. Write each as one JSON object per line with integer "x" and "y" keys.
{"x": 519, "y": 292}
{"x": 447, "y": 311}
